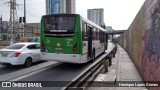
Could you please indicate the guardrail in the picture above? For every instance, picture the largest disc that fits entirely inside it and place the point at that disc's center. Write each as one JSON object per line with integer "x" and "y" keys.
{"x": 86, "y": 77}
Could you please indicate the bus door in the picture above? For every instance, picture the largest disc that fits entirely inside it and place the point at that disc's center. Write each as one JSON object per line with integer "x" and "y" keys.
{"x": 89, "y": 29}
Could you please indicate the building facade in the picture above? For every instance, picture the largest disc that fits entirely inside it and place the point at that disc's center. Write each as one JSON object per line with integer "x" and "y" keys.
{"x": 60, "y": 6}
{"x": 3, "y": 29}
{"x": 70, "y": 6}
{"x": 96, "y": 16}
{"x": 33, "y": 30}
{"x": 7, "y": 37}
{"x": 55, "y": 6}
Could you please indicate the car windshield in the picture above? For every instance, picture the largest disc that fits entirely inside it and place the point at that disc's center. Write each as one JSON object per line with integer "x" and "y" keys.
{"x": 15, "y": 46}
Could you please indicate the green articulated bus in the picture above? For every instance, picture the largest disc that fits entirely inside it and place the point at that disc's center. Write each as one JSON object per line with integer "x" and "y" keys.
{"x": 70, "y": 38}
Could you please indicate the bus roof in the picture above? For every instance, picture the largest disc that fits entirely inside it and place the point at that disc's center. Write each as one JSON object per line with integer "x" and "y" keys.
{"x": 93, "y": 24}
{"x": 59, "y": 14}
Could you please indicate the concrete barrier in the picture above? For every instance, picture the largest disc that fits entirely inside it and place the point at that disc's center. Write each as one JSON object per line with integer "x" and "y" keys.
{"x": 142, "y": 41}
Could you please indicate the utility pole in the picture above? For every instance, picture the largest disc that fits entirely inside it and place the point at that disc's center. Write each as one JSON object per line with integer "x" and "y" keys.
{"x": 1, "y": 27}
{"x": 24, "y": 19}
{"x": 12, "y": 22}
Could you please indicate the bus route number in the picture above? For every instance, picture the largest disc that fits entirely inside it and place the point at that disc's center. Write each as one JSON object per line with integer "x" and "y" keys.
{"x": 69, "y": 42}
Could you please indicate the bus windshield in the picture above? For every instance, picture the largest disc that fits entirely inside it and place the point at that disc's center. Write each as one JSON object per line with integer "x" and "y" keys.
{"x": 59, "y": 24}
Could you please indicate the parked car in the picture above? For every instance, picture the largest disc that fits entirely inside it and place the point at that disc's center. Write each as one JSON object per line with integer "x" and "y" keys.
{"x": 20, "y": 53}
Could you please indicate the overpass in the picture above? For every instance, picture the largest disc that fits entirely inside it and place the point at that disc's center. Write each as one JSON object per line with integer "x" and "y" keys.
{"x": 115, "y": 32}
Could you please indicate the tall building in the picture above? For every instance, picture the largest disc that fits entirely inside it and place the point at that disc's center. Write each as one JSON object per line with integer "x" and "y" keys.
{"x": 55, "y": 6}
{"x": 70, "y": 6}
{"x": 60, "y": 6}
{"x": 96, "y": 16}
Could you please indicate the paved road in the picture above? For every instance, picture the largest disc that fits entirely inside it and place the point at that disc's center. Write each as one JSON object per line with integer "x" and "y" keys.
{"x": 9, "y": 73}
{"x": 55, "y": 72}
{"x": 9, "y": 69}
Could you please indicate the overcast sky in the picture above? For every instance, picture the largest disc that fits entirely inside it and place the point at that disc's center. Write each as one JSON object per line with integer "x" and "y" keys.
{"x": 117, "y": 13}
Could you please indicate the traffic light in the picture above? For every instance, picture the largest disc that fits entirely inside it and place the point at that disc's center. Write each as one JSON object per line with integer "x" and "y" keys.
{"x": 24, "y": 19}
{"x": 20, "y": 19}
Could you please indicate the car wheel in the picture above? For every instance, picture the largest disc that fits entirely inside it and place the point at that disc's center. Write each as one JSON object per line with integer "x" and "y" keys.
{"x": 28, "y": 62}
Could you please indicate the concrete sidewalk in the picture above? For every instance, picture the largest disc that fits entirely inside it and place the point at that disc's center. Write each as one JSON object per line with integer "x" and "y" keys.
{"x": 122, "y": 69}
{"x": 126, "y": 68}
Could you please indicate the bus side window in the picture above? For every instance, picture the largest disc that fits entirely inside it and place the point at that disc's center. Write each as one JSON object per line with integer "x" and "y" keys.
{"x": 88, "y": 30}
{"x": 97, "y": 34}
{"x": 105, "y": 39}
{"x": 103, "y": 36}
{"x": 84, "y": 32}
{"x": 94, "y": 34}
{"x": 100, "y": 34}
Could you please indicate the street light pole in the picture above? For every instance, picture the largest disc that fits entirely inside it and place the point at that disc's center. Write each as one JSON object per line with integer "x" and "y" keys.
{"x": 1, "y": 27}
{"x": 24, "y": 18}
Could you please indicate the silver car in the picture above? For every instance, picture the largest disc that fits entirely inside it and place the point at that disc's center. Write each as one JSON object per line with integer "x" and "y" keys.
{"x": 20, "y": 53}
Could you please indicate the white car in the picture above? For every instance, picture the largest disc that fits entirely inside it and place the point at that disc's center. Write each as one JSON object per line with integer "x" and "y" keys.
{"x": 20, "y": 53}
